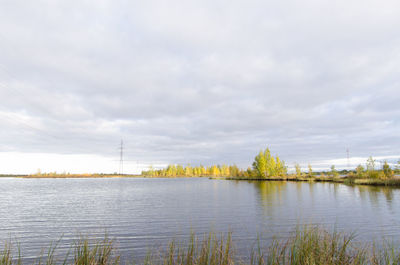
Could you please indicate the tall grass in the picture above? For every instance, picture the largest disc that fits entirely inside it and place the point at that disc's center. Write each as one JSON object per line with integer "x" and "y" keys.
{"x": 306, "y": 246}
{"x": 312, "y": 245}
{"x": 211, "y": 250}
{"x": 84, "y": 251}
{"x": 6, "y": 256}
{"x": 102, "y": 252}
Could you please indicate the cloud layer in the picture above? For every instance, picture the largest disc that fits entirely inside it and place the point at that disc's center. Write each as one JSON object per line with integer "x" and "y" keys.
{"x": 200, "y": 81}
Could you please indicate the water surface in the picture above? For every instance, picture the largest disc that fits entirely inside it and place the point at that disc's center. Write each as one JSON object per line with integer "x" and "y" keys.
{"x": 149, "y": 212}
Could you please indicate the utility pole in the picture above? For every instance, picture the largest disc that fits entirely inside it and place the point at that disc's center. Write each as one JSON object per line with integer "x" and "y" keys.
{"x": 121, "y": 158}
{"x": 348, "y": 158}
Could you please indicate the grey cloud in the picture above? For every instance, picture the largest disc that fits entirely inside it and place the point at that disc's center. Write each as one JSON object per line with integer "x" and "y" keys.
{"x": 201, "y": 82}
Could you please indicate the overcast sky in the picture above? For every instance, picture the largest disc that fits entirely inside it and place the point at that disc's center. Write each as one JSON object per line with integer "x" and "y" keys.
{"x": 211, "y": 81}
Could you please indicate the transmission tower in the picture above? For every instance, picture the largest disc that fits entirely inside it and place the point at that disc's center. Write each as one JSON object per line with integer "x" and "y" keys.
{"x": 121, "y": 158}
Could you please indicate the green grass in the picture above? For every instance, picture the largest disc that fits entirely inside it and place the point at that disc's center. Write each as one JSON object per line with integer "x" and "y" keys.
{"x": 85, "y": 252}
{"x": 378, "y": 182}
{"x": 306, "y": 246}
{"x": 350, "y": 180}
{"x": 313, "y": 245}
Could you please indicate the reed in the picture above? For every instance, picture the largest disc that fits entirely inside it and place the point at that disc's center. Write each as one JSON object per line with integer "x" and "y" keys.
{"x": 6, "y": 256}
{"x": 211, "y": 250}
{"x": 308, "y": 245}
{"x": 85, "y": 252}
{"x": 99, "y": 253}
{"x": 312, "y": 245}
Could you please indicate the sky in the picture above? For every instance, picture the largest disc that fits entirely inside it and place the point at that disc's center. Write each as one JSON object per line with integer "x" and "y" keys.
{"x": 200, "y": 82}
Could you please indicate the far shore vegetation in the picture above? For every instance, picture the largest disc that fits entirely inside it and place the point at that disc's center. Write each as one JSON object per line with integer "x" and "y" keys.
{"x": 306, "y": 245}
{"x": 269, "y": 167}
{"x": 70, "y": 175}
{"x": 265, "y": 167}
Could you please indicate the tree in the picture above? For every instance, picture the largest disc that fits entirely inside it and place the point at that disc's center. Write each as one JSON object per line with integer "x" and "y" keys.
{"x": 397, "y": 167}
{"x": 171, "y": 171}
{"x": 271, "y": 164}
{"x": 215, "y": 171}
{"x": 371, "y": 168}
{"x": 260, "y": 165}
{"x": 224, "y": 170}
{"x": 203, "y": 170}
{"x": 180, "y": 171}
{"x": 188, "y": 171}
{"x": 387, "y": 171}
{"x": 234, "y": 171}
{"x": 370, "y": 164}
{"x": 310, "y": 172}
{"x": 360, "y": 171}
{"x": 281, "y": 169}
{"x": 265, "y": 165}
{"x": 297, "y": 169}
{"x": 334, "y": 172}
{"x": 151, "y": 171}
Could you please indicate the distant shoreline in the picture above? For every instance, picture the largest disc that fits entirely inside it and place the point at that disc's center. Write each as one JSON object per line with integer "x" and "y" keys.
{"x": 393, "y": 182}
{"x": 74, "y": 176}
{"x": 71, "y": 176}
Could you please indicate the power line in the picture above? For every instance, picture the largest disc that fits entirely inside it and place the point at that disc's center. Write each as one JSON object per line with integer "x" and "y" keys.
{"x": 17, "y": 120}
{"x": 17, "y": 92}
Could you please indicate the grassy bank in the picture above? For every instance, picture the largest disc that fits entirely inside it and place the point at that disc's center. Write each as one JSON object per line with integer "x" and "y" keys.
{"x": 309, "y": 245}
{"x": 394, "y": 182}
{"x": 100, "y": 175}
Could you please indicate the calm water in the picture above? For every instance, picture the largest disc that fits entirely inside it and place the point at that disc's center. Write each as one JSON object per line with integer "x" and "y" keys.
{"x": 149, "y": 212}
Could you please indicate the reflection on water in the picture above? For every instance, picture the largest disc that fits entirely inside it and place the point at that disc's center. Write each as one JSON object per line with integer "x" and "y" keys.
{"x": 374, "y": 194}
{"x": 143, "y": 212}
{"x": 369, "y": 211}
{"x": 273, "y": 193}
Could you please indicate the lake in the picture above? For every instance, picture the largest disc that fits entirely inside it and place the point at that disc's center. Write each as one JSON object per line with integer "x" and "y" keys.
{"x": 141, "y": 213}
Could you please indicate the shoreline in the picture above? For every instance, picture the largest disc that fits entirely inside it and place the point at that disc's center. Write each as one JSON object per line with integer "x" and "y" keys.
{"x": 392, "y": 182}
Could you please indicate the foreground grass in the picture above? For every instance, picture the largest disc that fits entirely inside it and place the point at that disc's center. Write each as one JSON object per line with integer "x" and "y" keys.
{"x": 306, "y": 246}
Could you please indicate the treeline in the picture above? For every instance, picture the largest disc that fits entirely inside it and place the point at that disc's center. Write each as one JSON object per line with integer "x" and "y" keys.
{"x": 370, "y": 170}
{"x": 265, "y": 165}
{"x": 199, "y": 171}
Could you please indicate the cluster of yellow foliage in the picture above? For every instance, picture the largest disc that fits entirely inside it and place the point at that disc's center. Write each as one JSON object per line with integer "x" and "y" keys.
{"x": 200, "y": 171}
